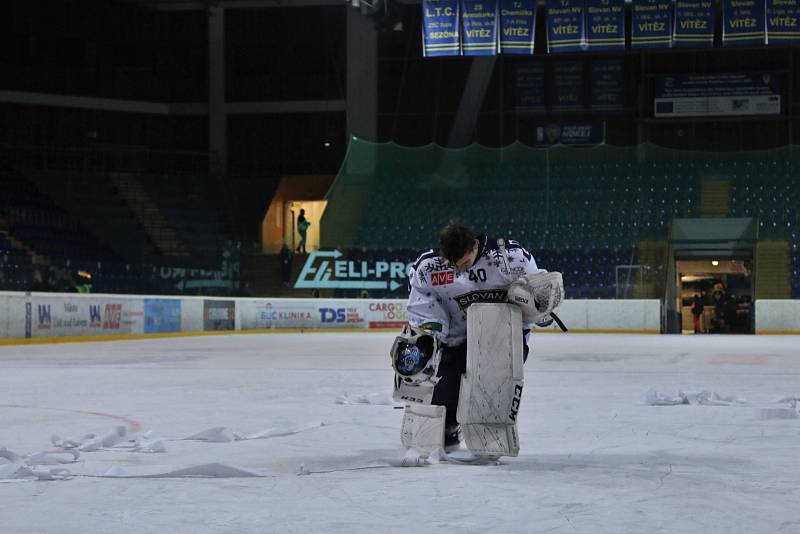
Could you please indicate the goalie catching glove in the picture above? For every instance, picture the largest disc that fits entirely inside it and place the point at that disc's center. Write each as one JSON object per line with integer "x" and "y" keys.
{"x": 415, "y": 355}
{"x": 537, "y": 295}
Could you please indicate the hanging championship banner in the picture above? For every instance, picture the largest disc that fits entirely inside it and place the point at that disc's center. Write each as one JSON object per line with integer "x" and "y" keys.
{"x": 566, "y": 86}
{"x": 440, "y": 23}
{"x": 566, "y": 27}
{"x": 479, "y": 27}
{"x": 517, "y": 26}
{"x": 694, "y": 23}
{"x": 783, "y": 21}
{"x": 743, "y": 22}
{"x": 605, "y": 24}
{"x": 529, "y": 85}
{"x": 651, "y": 26}
{"x": 608, "y": 85}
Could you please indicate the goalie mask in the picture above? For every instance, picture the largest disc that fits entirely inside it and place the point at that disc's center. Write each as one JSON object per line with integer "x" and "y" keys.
{"x": 415, "y": 355}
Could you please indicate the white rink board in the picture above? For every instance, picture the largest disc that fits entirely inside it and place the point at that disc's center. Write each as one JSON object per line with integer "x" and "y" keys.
{"x": 48, "y": 315}
{"x": 777, "y": 316}
{"x": 611, "y": 315}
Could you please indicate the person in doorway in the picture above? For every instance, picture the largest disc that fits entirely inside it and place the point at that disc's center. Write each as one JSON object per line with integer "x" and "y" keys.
{"x": 302, "y": 229}
{"x": 697, "y": 313}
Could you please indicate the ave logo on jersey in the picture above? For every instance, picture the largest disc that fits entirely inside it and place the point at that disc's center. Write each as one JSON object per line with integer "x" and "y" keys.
{"x": 442, "y": 278}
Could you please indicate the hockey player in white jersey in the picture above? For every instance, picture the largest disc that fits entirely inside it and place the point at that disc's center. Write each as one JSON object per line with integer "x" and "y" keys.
{"x": 467, "y": 269}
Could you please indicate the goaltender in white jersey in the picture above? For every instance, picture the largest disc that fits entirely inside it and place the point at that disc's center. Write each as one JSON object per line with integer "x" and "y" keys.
{"x": 441, "y": 291}
{"x": 468, "y": 269}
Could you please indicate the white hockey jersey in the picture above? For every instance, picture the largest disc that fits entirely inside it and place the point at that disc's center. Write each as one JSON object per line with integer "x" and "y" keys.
{"x": 439, "y": 296}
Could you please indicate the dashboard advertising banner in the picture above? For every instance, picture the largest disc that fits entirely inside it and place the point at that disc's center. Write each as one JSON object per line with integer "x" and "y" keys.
{"x": 60, "y": 316}
{"x": 219, "y": 315}
{"x": 162, "y": 316}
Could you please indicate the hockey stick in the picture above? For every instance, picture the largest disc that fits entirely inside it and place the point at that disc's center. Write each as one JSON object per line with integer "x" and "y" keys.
{"x": 559, "y": 322}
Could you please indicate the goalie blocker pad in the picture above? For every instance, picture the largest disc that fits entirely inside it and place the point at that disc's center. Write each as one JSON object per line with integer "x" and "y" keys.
{"x": 491, "y": 389}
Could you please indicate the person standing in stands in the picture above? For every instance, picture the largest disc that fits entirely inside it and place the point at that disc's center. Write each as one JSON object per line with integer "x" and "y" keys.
{"x": 286, "y": 265}
{"x": 302, "y": 229}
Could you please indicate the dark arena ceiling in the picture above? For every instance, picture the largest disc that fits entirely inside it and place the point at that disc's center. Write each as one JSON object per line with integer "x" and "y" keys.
{"x": 188, "y": 5}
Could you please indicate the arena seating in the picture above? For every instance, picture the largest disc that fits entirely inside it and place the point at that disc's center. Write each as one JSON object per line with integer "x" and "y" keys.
{"x": 582, "y": 211}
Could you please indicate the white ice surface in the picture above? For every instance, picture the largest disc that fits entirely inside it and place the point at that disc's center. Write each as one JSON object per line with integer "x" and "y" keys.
{"x": 594, "y": 458}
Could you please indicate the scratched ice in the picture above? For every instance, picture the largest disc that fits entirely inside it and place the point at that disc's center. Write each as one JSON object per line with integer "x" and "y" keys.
{"x": 595, "y": 457}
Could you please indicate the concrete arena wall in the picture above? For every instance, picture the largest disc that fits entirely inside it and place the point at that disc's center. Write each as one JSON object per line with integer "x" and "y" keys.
{"x": 69, "y": 315}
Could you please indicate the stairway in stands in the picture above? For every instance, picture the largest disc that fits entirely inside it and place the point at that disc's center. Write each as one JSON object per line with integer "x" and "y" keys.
{"x": 652, "y": 256}
{"x": 155, "y": 224}
{"x": 715, "y": 198}
{"x": 773, "y": 270}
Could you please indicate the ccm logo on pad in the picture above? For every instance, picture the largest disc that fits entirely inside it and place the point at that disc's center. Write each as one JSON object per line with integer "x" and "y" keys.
{"x": 442, "y": 278}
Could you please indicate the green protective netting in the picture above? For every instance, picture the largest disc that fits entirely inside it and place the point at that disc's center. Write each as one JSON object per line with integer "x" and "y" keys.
{"x": 389, "y": 196}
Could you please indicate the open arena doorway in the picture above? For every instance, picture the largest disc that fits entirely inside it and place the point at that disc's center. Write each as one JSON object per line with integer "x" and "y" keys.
{"x": 710, "y": 276}
{"x": 716, "y": 295}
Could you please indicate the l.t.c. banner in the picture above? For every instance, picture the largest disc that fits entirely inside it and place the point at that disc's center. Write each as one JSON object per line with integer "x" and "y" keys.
{"x": 651, "y": 24}
{"x": 479, "y": 27}
{"x": 694, "y": 23}
{"x": 605, "y": 25}
{"x": 743, "y": 22}
{"x": 517, "y": 26}
{"x": 440, "y": 28}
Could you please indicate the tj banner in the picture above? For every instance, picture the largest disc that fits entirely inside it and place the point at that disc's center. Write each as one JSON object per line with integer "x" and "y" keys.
{"x": 605, "y": 25}
{"x": 694, "y": 23}
{"x": 651, "y": 25}
{"x": 566, "y": 26}
{"x": 517, "y": 26}
{"x": 783, "y": 18}
{"x": 743, "y": 22}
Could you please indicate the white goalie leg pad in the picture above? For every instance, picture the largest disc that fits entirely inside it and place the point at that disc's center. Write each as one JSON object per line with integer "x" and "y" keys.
{"x": 491, "y": 388}
{"x": 423, "y": 428}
